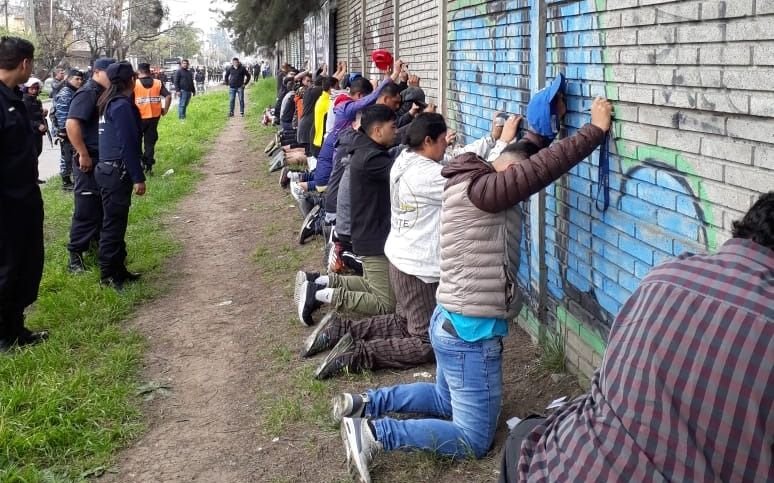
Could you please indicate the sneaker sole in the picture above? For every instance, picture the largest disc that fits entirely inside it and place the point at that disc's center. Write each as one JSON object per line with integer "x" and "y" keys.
{"x": 339, "y": 405}
{"x": 300, "y": 302}
{"x": 300, "y": 279}
{"x": 324, "y": 323}
{"x": 350, "y": 438}
{"x": 344, "y": 344}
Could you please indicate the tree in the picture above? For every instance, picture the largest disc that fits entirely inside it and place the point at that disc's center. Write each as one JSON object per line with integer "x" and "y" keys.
{"x": 182, "y": 39}
{"x": 260, "y": 23}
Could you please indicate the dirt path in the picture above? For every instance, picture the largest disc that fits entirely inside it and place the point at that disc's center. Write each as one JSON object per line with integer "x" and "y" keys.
{"x": 242, "y": 406}
{"x": 202, "y": 334}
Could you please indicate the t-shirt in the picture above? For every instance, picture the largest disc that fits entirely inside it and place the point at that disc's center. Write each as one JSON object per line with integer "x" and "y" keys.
{"x": 83, "y": 107}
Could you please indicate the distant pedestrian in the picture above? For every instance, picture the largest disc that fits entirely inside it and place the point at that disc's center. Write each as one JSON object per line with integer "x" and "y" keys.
{"x": 35, "y": 112}
{"x": 83, "y": 132}
{"x": 21, "y": 206}
{"x": 185, "y": 87}
{"x": 118, "y": 172}
{"x": 237, "y": 77}
{"x": 200, "y": 78}
{"x": 72, "y": 83}
{"x": 58, "y": 82}
{"x": 153, "y": 101}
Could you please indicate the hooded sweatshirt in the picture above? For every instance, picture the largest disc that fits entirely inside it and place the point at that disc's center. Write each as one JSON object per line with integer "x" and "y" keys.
{"x": 370, "y": 165}
{"x": 416, "y": 193}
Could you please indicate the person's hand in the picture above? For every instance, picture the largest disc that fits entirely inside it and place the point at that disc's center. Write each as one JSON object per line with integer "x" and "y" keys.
{"x": 431, "y": 107}
{"x": 397, "y": 67}
{"x": 413, "y": 80}
{"x": 404, "y": 76}
{"x": 164, "y": 111}
{"x": 602, "y": 113}
{"x": 497, "y": 128}
{"x": 510, "y": 128}
{"x": 85, "y": 163}
{"x": 304, "y": 186}
{"x": 42, "y": 128}
{"x": 451, "y": 136}
{"x": 139, "y": 189}
{"x": 415, "y": 110}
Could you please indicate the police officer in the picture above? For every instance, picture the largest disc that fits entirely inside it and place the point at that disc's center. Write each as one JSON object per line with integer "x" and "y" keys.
{"x": 118, "y": 172}
{"x": 62, "y": 101}
{"x": 82, "y": 123}
{"x": 21, "y": 206}
{"x": 153, "y": 101}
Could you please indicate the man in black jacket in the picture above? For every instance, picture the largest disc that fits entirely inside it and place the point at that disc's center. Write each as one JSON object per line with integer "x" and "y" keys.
{"x": 21, "y": 206}
{"x": 237, "y": 77}
{"x": 185, "y": 87}
{"x": 370, "y": 161}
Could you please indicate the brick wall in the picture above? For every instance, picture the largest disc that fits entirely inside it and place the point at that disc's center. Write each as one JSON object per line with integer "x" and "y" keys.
{"x": 692, "y": 143}
{"x": 356, "y": 36}
{"x": 342, "y": 32}
{"x": 379, "y": 31}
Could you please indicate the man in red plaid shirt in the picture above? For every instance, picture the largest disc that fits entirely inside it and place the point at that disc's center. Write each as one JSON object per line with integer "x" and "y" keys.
{"x": 686, "y": 388}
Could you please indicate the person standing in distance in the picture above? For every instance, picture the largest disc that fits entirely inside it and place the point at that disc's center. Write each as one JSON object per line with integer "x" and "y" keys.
{"x": 82, "y": 131}
{"x": 237, "y": 77}
{"x": 148, "y": 95}
{"x": 118, "y": 172}
{"x": 73, "y": 82}
{"x": 21, "y": 205}
{"x": 185, "y": 87}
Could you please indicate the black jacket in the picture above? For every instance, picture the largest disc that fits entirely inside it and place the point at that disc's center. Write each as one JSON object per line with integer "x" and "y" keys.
{"x": 343, "y": 145}
{"x": 184, "y": 80}
{"x": 237, "y": 77}
{"x": 370, "y": 165}
{"x": 19, "y": 160}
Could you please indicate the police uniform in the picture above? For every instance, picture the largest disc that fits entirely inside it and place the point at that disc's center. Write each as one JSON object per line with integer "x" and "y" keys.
{"x": 149, "y": 95}
{"x": 21, "y": 220}
{"x": 87, "y": 208}
{"x": 119, "y": 168}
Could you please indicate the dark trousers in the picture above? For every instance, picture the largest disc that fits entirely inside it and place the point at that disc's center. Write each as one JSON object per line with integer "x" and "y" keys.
{"x": 150, "y": 134}
{"x": 399, "y": 340}
{"x": 66, "y": 159}
{"x": 509, "y": 463}
{"x": 116, "y": 190}
{"x": 21, "y": 259}
{"x": 87, "y": 209}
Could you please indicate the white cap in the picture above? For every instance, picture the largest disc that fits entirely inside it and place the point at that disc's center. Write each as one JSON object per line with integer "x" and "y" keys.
{"x": 32, "y": 81}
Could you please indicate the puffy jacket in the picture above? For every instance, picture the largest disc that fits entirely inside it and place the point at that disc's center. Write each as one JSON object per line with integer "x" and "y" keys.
{"x": 416, "y": 192}
{"x": 481, "y": 224}
{"x": 62, "y": 105}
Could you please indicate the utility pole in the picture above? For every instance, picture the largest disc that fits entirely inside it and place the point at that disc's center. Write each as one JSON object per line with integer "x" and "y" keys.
{"x": 51, "y": 15}
{"x": 6, "y": 15}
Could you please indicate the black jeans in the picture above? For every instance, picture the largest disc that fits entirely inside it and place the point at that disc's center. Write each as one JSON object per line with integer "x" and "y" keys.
{"x": 116, "y": 190}
{"x": 150, "y": 134}
{"x": 87, "y": 209}
{"x": 21, "y": 259}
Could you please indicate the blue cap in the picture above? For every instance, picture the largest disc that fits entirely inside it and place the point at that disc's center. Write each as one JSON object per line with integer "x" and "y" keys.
{"x": 120, "y": 71}
{"x": 103, "y": 63}
{"x": 539, "y": 113}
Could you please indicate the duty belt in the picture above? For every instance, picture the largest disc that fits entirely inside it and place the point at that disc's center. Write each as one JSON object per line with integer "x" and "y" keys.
{"x": 115, "y": 164}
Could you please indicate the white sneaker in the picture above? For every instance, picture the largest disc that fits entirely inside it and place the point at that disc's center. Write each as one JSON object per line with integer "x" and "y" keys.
{"x": 361, "y": 446}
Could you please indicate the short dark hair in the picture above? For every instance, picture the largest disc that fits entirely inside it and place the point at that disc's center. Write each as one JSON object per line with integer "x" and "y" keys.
{"x": 235, "y": 58}
{"x": 318, "y": 82}
{"x": 184, "y": 60}
{"x": 758, "y": 223}
{"x": 391, "y": 90}
{"x": 327, "y": 83}
{"x": 376, "y": 114}
{"x": 361, "y": 85}
{"x": 520, "y": 149}
{"x": 13, "y": 51}
{"x": 143, "y": 67}
{"x": 426, "y": 124}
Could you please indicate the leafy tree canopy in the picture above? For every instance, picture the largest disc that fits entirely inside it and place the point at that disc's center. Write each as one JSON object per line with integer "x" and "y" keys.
{"x": 261, "y": 23}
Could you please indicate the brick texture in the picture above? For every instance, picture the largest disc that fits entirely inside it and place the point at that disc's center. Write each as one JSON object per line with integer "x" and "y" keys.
{"x": 418, "y": 45}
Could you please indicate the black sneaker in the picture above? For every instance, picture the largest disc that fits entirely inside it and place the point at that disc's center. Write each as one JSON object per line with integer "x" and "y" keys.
{"x": 76, "y": 265}
{"x": 114, "y": 282}
{"x": 230, "y": 114}
{"x": 309, "y": 226}
{"x": 361, "y": 446}
{"x": 340, "y": 358}
{"x": 347, "y": 405}
{"x": 67, "y": 183}
{"x": 302, "y": 277}
{"x": 321, "y": 338}
{"x": 31, "y": 338}
{"x": 307, "y": 302}
{"x": 130, "y": 276}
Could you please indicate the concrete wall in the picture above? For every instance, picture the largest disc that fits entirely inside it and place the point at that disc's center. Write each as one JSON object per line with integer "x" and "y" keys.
{"x": 692, "y": 144}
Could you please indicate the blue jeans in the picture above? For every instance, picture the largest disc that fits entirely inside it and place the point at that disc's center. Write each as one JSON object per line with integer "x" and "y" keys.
{"x": 182, "y": 105}
{"x": 468, "y": 389}
{"x": 232, "y": 93}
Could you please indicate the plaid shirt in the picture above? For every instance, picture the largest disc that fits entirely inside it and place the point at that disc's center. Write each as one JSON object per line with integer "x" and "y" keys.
{"x": 686, "y": 387}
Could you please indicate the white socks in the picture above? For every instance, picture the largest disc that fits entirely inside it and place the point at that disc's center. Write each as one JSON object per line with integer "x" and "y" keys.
{"x": 325, "y": 295}
{"x": 322, "y": 280}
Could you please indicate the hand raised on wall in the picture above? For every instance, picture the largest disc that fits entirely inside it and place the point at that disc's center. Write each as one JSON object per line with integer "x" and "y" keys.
{"x": 602, "y": 113}
{"x": 510, "y": 128}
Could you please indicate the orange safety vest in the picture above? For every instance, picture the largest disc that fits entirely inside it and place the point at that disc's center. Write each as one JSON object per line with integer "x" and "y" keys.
{"x": 148, "y": 100}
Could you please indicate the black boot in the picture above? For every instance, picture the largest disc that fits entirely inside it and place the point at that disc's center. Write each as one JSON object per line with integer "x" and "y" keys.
{"x": 76, "y": 264}
{"x": 67, "y": 183}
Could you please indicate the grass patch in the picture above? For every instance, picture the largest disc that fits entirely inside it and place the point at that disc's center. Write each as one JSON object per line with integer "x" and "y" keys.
{"x": 67, "y": 405}
{"x": 552, "y": 352}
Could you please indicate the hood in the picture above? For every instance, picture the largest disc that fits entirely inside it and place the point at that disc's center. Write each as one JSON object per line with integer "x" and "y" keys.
{"x": 361, "y": 142}
{"x": 466, "y": 163}
{"x": 405, "y": 160}
{"x": 341, "y": 98}
{"x": 347, "y": 137}
{"x": 539, "y": 115}
{"x": 32, "y": 81}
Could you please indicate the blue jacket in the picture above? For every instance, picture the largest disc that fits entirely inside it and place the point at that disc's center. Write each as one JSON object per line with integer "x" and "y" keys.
{"x": 62, "y": 105}
{"x": 119, "y": 136}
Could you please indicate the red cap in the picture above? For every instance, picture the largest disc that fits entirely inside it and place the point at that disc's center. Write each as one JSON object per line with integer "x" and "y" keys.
{"x": 382, "y": 59}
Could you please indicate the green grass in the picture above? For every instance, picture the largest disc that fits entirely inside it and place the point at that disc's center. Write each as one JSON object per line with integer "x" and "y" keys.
{"x": 67, "y": 405}
{"x": 552, "y": 353}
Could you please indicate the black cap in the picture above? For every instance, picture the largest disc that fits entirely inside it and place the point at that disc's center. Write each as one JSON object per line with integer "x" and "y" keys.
{"x": 143, "y": 67}
{"x": 103, "y": 63}
{"x": 120, "y": 71}
{"x": 415, "y": 95}
{"x": 74, "y": 73}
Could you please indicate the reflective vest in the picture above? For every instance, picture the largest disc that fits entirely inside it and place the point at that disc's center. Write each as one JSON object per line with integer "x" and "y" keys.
{"x": 148, "y": 100}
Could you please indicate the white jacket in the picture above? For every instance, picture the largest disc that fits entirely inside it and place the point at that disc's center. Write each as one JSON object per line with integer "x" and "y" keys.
{"x": 416, "y": 192}
{"x": 486, "y": 148}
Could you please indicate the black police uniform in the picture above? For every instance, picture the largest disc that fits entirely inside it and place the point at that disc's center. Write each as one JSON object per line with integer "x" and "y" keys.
{"x": 87, "y": 212}
{"x": 21, "y": 217}
{"x": 119, "y": 168}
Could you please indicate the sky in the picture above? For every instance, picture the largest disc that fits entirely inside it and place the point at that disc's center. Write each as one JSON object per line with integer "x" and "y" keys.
{"x": 196, "y": 11}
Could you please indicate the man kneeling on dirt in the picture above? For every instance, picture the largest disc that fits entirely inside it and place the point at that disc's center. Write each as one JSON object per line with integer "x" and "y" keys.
{"x": 684, "y": 392}
{"x": 476, "y": 298}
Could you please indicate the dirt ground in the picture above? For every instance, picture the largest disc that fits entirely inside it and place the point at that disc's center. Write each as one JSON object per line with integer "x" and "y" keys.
{"x": 241, "y": 405}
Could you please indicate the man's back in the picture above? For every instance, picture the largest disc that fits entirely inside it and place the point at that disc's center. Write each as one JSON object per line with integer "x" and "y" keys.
{"x": 685, "y": 389}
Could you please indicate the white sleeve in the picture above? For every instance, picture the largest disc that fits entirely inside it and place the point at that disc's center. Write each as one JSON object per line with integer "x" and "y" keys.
{"x": 480, "y": 147}
{"x": 495, "y": 152}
